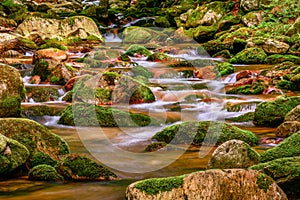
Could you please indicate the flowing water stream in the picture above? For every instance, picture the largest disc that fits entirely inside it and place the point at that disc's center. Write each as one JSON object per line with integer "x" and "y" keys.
{"x": 175, "y": 91}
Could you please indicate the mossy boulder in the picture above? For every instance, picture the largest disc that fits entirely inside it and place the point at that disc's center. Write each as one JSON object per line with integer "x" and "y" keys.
{"x": 77, "y": 26}
{"x": 293, "y": 115}
{"x": 82, "y": 114}
{"x": 44, "y": 173}
{"x": 255, "y": 88}
{"x": 227, "y": 184}
{"x": 12, "y": 91}
{"x": 40, "y": 158}
{"x": 194, "y": 132}
{"x": 35, "y": 137}
{"x": 285, "y": 171}
{"x": 272, "y": 113}
{"x": 142, "y": 35}
{"x": 13, "y": 154}
{"x": 76, "y": 167}
{"x": 225, "y": 68}
{"x": 202, "y": 33}
{"x": 279, "y": 58}
{"x": 159, "y": 57}
{"x": 287, "y": 148}
{"x": 287, "y": 128}
{"x": 42, "y": 94}
{"x": 250, "y": 56}
{"x": 141, "y": 71}
{"x": 233, "y": 154}
{"x": 136, "y": 49}
{"x": 208, "y": 14}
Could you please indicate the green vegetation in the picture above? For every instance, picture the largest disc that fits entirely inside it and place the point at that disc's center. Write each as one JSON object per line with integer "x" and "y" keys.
{"x": 272, "y": 113}
{"x": 247, "y": 117}
{"x": 285, "y": 171}
{"x": 41, "y": 69}
{"x": 44, "y": 173}
{"x": 256, "y": 88}
{"x": 250, "y": 56}
{"x": 225, "y": 68}
{"x": 263, "y": 181}
{"x": 137, "y": 49}
{"x": 287, "y": 148}
{"x": 195, "y": 132}
{"x": 41, "y": 158}
{"x": 78, "y": 167}
{"x": 91, "y": 115}
{"x": 141, "y": 71}
{"x": 154, "y": 186}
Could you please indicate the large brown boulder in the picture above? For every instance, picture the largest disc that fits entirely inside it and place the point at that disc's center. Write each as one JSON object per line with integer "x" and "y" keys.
{"x": 77, "y": 26}
{"x": 12, "y": 91}
{"x": 229, "y": 184}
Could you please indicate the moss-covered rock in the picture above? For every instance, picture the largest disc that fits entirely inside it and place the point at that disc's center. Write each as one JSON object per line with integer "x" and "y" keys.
{"x": 287, "y": 128}
{"x": 91, "y": 115}
{"x": 137, "y": 49}
{"x": 76, "y": 167}
{"x": 202, "y": 33}
{"x": 210, "y": 184}
{"x": 77, "y": 26}
{"x": 35, "y": 137}
{"x": 250, "y": 56}
{"x": 12, "y": 91}
{"x": 285, "y": 171}
{"x": 195, "y": 132}
{"x": 272, "y": 113}
{"x": 158, "y": 57}
{"x": 42, "y": 94}
{"x": 247, "y": 117}
{"x": 278, "y": 58}
{"x": 255, "y": 88}
{"x": 287, "y": 148}
{"x": 13, "y": 155}
{"x": 41, "y": 158}
{"x": 141, "y": 71}
{"x": 225, "y": 68}
{"x": 233, "y": 154}
{"x": 44, "y": 173}
{"x": 141, "y": 35}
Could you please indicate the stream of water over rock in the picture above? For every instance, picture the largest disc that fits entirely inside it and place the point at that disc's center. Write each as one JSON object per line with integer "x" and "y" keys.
{"x": 139, "y": 138}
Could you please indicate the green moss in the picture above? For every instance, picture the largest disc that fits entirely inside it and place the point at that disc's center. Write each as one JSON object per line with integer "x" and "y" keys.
{"x": 44, "y": 173}
{"x": 54, "y": 43}
{"x": 247, "y": 117}
{"x": 158, "y": 56}
{"x": 197, "y": 131}
{"x": 10, "y": 106}
{"x": 93, "y": 38}
{"x": 272, "y": 113}
{"x": 41, "y": 69}
{"x": 42, "y": 94}
{"x": 225, "y": 68}
{"x": 141, "y": 71}
{"x": 155, "y": 146}
{"x": 256, "y": 88}
{"x": 278, "y": 58}
{"x": 137, "y": 49}
{"x": 106, "y": 117}
{"x": 55, "y": 80}
{"x": 27, "y": 43}
{"x": 287, "y": 148}
{"x": 38, "y": 110}
{"x": 286, "y": 85}
{"x": 156, "y": 185}
{"x": 250, "y": 56}
{"x": 103, "y": 95}
{"x": 41, "y": 158}
{"x": 285, "y": 171}
{"x": 79, "y": 167}
{"x": 35, "y": 137}
{"x": 263, "y": 181}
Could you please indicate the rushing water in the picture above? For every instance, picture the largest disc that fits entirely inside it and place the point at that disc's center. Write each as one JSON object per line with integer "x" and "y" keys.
{"x": 171, "y": 106}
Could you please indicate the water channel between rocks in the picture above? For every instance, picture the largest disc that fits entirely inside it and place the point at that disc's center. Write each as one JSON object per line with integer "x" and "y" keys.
{"x": 21, "y": 189}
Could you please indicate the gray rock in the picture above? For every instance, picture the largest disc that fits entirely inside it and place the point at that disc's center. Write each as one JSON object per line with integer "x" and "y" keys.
{"x": 249, "y": 5}
{"x": 233, "y": 154}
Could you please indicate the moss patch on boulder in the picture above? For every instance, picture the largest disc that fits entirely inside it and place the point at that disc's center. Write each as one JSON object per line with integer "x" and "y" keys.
{"x": 195, "y": 132}
{"x": 285, "y": 171}
{"x": 76, "y": 167}
{"x": 44, "y": 173}
{"x": 250, "y": 56}
{"x": 287, "y": 148}
{"x": 272, "y": 113}
{"x": 91, "y": 115}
